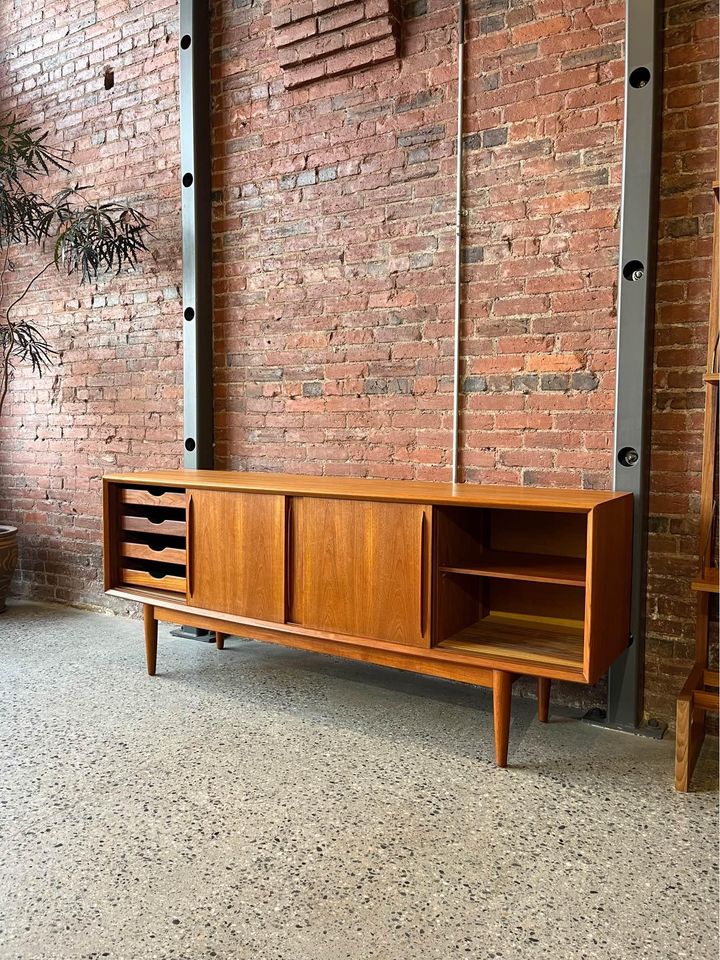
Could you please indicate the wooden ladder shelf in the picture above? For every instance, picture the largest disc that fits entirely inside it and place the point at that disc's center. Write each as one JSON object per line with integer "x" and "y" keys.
{"x": 700, "y": 692}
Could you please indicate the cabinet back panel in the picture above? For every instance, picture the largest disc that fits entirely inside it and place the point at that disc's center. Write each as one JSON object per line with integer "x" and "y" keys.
{"x": 531, "y": 531}
{"x": 461, "y": 534}
{"x": 535, "y": 599}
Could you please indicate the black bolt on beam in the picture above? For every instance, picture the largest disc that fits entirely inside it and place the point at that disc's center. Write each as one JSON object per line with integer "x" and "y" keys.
{"x": 636, "y": 283}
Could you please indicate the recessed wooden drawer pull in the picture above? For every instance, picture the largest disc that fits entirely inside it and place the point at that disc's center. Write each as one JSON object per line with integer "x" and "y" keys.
{"x": 189, "y": 570}
{"x": 172, "y": 528}
{"x": 422, "y": 574}
{"x": 150, "y": 498}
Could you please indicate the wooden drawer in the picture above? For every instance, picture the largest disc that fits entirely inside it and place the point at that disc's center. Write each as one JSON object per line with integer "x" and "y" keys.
{"x": 143, "y": 551}
{"x": 152, "y": 497}
{"x": 152, "y": 525}
{"x": 143, "y": 578}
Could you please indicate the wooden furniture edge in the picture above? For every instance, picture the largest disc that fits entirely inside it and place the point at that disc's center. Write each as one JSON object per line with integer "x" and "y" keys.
{"x": 607, "y": 541}
{"x": 707, "y": 700}
{"x": 109, "y": 553}
{"x": 240, "y": 626}
{"x": 689, "y": 728}
{"x": 400, "y": 491}
{"x": 413, "y": 659}
{"x": 706, "y": 585}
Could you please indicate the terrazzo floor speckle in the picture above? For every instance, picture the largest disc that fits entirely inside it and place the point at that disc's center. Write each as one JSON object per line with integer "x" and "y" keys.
{"x": 271, "y": 804}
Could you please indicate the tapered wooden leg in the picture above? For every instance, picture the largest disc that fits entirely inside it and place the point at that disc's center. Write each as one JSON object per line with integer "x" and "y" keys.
{"x": 220, "y": 640}
{"x": 689, "y": 736}
{"x": 682, "y": 745}
{"x": 543, "y": 696}
{"x": 151, "y": 628}
{"x": 502, "y": 698}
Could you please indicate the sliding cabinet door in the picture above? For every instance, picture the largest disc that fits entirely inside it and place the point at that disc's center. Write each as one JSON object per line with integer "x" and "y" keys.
{"x": 360, "y": 568}
{"x": 237, "y": 553}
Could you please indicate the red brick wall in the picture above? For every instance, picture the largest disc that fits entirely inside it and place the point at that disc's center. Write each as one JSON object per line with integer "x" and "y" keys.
{"x": 335, "y": 240}
{"x": 114, "y": 398}
{"x": 689, "y": 157}
{"x": 334, "y": 259}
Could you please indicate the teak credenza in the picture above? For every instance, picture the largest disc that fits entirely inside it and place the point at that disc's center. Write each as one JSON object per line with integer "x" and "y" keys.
{"x": 480, "y": 584}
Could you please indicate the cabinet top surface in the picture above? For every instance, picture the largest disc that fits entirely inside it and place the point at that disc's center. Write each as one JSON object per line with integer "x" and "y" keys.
{"x": 408, "y": 491}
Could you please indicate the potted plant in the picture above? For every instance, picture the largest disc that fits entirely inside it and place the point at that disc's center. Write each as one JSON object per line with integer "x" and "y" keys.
{"x": 69, "y": 232}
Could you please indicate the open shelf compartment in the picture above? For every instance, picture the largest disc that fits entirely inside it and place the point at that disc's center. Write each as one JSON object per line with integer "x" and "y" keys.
{"x": 534, "y": 640}
{"x": 511, "y": 584}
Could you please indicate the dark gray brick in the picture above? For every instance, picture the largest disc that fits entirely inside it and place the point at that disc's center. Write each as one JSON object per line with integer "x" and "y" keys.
{"x": 584, "y": 380}
{"x": 492, "y": 24}
{"x": 473, "y": 141}
{"x": 417, "y": 101}
{"x": 526, "y": 382}
{"x": 474, "y": 385}
{"x": 414, "y": 9}
{"x": 496, "y": 137}
{"x": 555, "y": 381}
{"x": 418, "y": 155}
{"x": 415, "y": 138}
{"x": 473, "y": 254}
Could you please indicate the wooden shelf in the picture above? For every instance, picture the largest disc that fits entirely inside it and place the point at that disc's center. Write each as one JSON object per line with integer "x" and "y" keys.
{"x": 533, "y": 567}
{"x": 712, "y": 378}
{"x": 710, "y": 582}
{"x": 557, "y": 643}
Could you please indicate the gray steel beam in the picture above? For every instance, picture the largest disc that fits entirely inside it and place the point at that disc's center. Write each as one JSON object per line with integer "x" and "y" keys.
{"x": 636, "y": 281}
{"x": 196, "y": 233}
{"x": 196, "y": 244}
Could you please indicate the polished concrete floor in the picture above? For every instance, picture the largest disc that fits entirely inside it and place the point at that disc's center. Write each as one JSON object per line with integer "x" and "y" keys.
{"x": 270, "y": 804}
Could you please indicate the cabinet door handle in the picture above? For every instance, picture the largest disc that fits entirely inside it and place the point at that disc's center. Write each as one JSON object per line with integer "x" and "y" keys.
{"x": 288, "y": 559}
{"x": 189, "y": 546}
{"x": 422, "y": 574}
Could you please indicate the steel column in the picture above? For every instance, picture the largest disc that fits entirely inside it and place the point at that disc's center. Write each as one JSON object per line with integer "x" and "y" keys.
{"x": 636, "y": 282}
{"x": 196, "y": 232}
{"x": 458, "y": 239}
{"x": 196, "y": 245}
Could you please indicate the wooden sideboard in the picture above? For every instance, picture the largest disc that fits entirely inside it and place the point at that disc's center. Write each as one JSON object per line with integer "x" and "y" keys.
{"x": 480, "y": 584}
